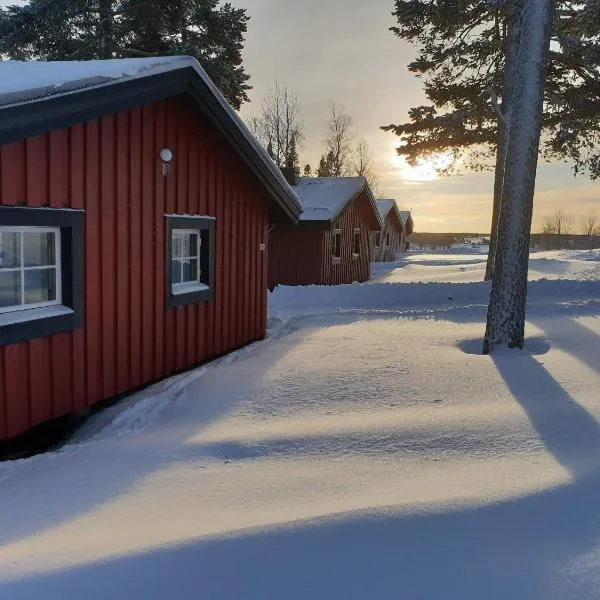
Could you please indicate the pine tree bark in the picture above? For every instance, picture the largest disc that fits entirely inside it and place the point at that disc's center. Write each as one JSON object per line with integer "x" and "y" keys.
{"x": 513, "y": 35}
{"x": 106, "y": 35}
{"x": 506, "y": 310}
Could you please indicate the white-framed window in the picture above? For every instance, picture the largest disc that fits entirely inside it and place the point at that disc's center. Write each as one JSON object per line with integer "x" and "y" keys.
{"x": 190, "y": 259}
{"x": 336, "y": 245}
{"x": 378, "y": 239}
{"x": 356, "y": 243}
{"x": 186, "y": 261}
{"x": 30, "y": 268}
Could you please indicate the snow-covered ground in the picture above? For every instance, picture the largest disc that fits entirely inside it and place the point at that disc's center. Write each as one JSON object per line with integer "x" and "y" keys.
{"x": 366, "y": 450}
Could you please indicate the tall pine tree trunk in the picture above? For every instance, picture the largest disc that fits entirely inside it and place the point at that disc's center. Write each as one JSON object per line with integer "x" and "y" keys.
{"x": 498, "y": 183}
{"x": 106, "y": 34}
{"x": 513, "y": 34}
{"x": 506, "y": 311}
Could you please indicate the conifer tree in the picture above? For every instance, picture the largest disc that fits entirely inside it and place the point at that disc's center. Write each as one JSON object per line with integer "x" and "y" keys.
{"x": 101, "y": 29}
{"x": 462, "y": 48}
{"x": 326, "y": 166}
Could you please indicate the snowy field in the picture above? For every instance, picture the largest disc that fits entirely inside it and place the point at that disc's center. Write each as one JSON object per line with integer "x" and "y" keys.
{"x": 365, "y": 451}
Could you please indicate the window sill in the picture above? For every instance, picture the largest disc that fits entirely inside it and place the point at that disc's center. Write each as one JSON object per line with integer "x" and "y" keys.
{"x": 185, "y": 295}
{"x": 35, "y": 323}
{"x": 34, "y": 314}
{"x": 335, "y": 261}
{"x": 177, "y": 290}
{"x": 355, "y": 256}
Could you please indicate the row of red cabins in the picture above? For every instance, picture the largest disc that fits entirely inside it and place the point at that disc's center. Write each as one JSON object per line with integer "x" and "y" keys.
{"x": 140, "y": 227}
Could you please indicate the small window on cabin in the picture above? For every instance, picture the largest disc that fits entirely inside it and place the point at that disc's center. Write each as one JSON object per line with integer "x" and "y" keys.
{"x": 356, "y": 243}
{"x": 387, "y": 239}
{"x": 29, "y": 268}
{"x": 190, "y": 242}
{"x": 41, "y": 272}
{"x": 378, "y": 239}
{"x": 336, "y": 245}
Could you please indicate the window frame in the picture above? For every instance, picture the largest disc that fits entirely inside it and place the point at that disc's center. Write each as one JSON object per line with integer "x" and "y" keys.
{"x": 45, "y": 320}
{"x": 22, "y": 268}
{"x": 378, "y": 239}
{"x": 387, "y": 239}
{"x": 356, "y": 242}
{"x": 192, "y": 285}
{"x": 182, "y": 294}
{"x": 336, "y": 233}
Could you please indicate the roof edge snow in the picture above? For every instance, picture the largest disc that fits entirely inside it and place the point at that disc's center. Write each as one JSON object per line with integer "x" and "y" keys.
{"x": 40, "y": 109}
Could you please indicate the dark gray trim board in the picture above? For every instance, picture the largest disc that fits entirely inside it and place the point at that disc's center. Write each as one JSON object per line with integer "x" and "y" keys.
{"x": 71, "y": 223}
{"x": 206, "y": 228}
{"x": 18, "y": 122}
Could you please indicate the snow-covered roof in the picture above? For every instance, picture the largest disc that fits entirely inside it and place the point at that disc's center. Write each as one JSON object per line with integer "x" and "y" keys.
{"x": 324, "y": 198}
{"x": 385, "y": 206}
{"x": 25, "y": 84}
{"x": 407, "y": 221}
{"x": 23, "y": 81}
{"x": 405, "y": 216}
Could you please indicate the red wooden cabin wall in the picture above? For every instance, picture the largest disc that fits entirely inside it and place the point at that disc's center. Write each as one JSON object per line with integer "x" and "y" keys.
{"x": 302, "y": 255}
{"x": 111, "y": 169}
{"x": 296, "y": 255}
{"x": 358, "y": 214}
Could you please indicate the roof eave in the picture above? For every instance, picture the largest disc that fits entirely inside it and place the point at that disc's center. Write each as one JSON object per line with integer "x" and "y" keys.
{"x": 29, "y": 119}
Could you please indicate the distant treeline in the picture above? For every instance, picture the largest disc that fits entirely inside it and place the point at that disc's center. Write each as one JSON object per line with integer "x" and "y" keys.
{"x": 441, "y": 240}
{"x": 543, "y": 241}
{"x": 554, "y": 241}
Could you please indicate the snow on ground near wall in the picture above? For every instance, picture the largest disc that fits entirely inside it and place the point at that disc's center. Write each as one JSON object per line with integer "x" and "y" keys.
{"x": 358, "y": 454}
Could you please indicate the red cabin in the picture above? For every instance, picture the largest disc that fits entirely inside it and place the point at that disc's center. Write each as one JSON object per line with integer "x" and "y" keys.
{"x": 331, "y": 244}
{"x": 134, "y": 211}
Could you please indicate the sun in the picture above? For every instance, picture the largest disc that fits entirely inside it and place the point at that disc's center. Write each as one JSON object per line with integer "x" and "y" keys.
{"x": 425, "y": 170}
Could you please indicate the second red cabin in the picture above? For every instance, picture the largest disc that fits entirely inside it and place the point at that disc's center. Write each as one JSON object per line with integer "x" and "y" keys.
{"x": 330, "y": 245}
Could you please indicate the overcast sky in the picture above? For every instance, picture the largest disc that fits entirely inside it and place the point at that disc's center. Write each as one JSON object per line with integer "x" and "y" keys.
{"x": 342, "y": 51}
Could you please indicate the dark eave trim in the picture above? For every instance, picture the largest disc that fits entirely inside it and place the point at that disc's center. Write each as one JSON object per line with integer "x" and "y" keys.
{"x": 48, "y": 114}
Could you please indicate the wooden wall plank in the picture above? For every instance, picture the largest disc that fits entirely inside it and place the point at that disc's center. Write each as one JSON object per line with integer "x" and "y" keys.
{"x": 149, "y": 162}
{"x": 160, "y": 142}
{"x": 58, "y": 159}
{"x": 93, "y": 264}
{"x": 135, "y": 246}
{"x": 16, "y": 363}
{"x": 108, "y": 261}
{"x": 37, "y": 368}
{"x": 37, "y": 171}
{"x": 13, "y": 186}
{"x": 123, "y": 258}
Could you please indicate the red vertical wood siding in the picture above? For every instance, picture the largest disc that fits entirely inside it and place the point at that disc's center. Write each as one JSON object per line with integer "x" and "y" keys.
{"x": 111, "y": 169}
{"x": 302, "y": 255}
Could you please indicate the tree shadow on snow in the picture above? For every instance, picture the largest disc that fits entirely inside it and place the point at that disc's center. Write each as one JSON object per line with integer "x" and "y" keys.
{"x": 540, "y": 546}
{"x": 581, "y": 342}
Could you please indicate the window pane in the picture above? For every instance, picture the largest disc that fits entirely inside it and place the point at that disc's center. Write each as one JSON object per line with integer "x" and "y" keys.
{"x": 190, "y": 270}
{"x": 40, "y": 285}
{"x": 10, "y": 250}
{"x": 175, "y": 271}
{"x": 39, "y": 249}
{"x": 10, "y": 288}
{"x": 176, "y": 245}
{"x": 191, "y": 248}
